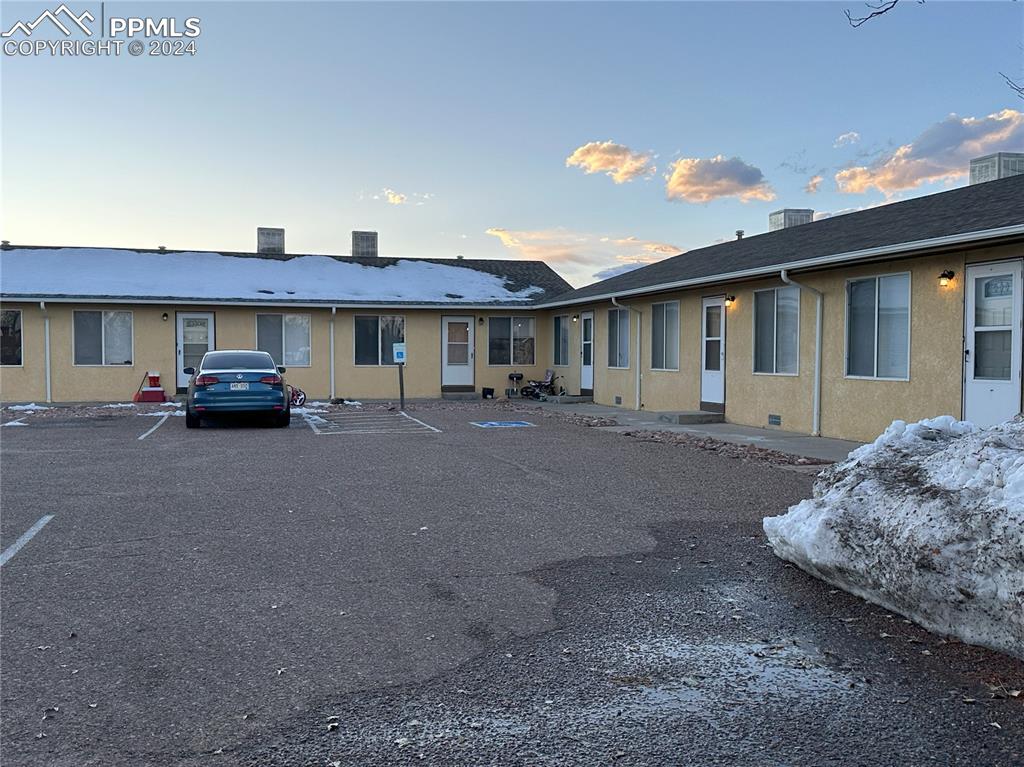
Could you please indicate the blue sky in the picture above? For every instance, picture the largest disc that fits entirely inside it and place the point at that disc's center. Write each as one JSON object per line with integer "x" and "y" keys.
{"x": 448, "y": 127}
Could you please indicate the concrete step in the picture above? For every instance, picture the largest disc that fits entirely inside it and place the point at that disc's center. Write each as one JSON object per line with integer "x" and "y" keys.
{"x": 692, "y": 416}
{"x": 460, "y": 395}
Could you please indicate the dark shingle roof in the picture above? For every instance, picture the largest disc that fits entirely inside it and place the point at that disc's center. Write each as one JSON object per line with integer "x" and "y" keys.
{"x": 976, "y": 208}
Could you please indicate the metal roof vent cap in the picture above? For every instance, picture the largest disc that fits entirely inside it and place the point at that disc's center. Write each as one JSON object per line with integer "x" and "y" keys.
{"x": 739, "y": 234}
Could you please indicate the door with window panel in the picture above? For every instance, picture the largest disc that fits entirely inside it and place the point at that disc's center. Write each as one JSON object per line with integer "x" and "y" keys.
{"x": 992, "y": 343}
{"x": 195, "y": 338}
{"x": 712, "y": 376}
{"x": 457, "y": 352}
{"x": 587, "y": 353}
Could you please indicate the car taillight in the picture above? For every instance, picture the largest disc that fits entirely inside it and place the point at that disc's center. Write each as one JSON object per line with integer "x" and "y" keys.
{"x": 274, "y": 379}
{"x": 205, "y": 380}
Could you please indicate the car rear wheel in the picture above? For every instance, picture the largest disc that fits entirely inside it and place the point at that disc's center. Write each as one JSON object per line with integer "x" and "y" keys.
{"x": 192, "y": 421}
{"x": 283, "y": 420}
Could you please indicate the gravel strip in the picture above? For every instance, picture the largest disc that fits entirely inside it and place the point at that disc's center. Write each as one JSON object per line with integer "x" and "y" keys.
{"x": 726, "y": 449}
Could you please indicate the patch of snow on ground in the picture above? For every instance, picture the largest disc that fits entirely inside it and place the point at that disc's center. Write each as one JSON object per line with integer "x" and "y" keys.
{"x": 110, "y": 271}
{"x": 19, "y": 422}
{"x": 162, "y": 413}
{"x": 306, "y": 410}
{"x": 120, "y": 404}
{"x": 168, "y": 404}
{"x": 927, "y": 521}
{"x": 31, "y": 407}
{"x": 352, "y": 402}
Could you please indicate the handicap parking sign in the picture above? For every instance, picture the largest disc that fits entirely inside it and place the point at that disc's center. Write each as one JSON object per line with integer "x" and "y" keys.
{"x": 398, "y": 351}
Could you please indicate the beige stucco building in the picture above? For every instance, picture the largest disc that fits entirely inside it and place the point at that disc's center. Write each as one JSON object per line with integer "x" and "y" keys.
{"x": 837, "y": 327}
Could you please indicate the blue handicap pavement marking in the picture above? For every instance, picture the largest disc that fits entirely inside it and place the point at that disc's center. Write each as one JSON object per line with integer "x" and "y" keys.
{"x": 500, "y": 424}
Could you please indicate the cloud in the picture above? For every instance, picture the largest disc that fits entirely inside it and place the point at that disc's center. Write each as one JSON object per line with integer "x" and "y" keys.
{"x": 813, "y": 184}
{"x": 846, "y": 138}
{"x": 619, "y": 162}
{"x": 391, "y": 197}
{"x": 941, "y": 153}
{"x": 822, "y": 214}
{"x": 696, "y": 180}
{"x": 615, "y": 271}
{"x": 582, "y": 257}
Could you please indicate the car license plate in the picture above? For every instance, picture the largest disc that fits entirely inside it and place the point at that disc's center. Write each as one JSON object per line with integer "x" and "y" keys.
{"x": 243, "y": 386}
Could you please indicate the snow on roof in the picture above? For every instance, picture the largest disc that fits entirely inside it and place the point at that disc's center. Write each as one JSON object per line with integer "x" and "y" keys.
{"x": 110, "y": 272}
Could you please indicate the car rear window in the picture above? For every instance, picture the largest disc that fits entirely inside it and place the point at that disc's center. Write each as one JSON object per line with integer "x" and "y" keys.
{"x": 238, "y": 361}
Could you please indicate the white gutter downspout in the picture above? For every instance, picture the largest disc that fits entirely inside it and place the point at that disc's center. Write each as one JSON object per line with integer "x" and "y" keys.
{"x": 639, "y": 349}
{"x": 46, "y": 347}
{"x": 818, "y": 299}
{"x": 334, "y": 310}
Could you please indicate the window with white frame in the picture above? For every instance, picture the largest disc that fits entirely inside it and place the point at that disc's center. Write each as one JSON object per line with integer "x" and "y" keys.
{"x": 285, "y": 337}
{"x": 878, "y": 327}
{"x": 618, "y": 338}
{"x": 10, "y": 337}
{"x": 665, "y": 336}
{"x": 102, "y": 338}
{"x": 561, "y": 340}
{"x": 777, "y": 331}
{"x": 375, "y": 339}
{"x": 511, "y": 341}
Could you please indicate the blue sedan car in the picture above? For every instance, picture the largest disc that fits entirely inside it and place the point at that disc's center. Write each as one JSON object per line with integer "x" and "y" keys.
{"x": 235, "y": 382}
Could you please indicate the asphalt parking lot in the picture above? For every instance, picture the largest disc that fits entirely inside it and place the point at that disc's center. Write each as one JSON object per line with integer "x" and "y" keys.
{"x": 458, "y": 595}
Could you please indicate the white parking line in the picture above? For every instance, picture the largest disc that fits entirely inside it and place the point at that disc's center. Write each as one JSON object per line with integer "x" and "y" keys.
{"x": 390, "y": 422}
{"x": 417, "y": 420}
{"x": 158, "y": 425}
{"x": 15, "y": 547}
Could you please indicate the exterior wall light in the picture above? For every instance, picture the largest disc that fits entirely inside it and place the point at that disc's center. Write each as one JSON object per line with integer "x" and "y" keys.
{"x": 946, "y": 276}
{"x": 575, "y": 318}
{"x": 730, "y": 300}
{"x": 164, "y": 316}
{"x": 480, "y": 321}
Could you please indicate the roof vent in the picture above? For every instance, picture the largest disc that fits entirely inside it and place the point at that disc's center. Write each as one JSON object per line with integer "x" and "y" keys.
{"x": 5, "y": 244}
{"x": 460, "y": 256}
{"x": 161, "y": 248}
{"x": 269, "y": 240}
{"x": 787, "y": 217}
{"x": 364, "y": 244}
{"x": 739, "y": 234}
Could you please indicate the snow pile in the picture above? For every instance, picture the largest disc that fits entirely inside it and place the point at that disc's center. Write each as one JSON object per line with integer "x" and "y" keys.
{"x": 119, "y": 404}
{"x": 31, "y": 407}
{"x": 112, "y": 272}
{"x": 927, "y": 521}
{"x": 19, "y": 422}
{"x": 162, "y": 413}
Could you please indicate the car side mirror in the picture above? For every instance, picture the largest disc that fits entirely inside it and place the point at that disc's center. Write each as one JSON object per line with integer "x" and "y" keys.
{"x": 281, "y": 368}
{"x": 189, "y": 371}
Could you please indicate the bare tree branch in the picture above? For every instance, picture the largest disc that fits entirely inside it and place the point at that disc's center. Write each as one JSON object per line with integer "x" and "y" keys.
{"x": 877, "y": 9}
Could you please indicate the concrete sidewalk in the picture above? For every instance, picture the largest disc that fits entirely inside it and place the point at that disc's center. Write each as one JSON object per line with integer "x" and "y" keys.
{"x": 787, "y": 442}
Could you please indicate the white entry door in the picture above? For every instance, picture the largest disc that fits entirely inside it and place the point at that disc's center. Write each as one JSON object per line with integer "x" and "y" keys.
{"x": 195, "y": 338}
{"x": 712, "y": 355}
{"x": 587, "y": 353}
{"x": 457, "y": 351}
{"x": 992, "y": 343}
